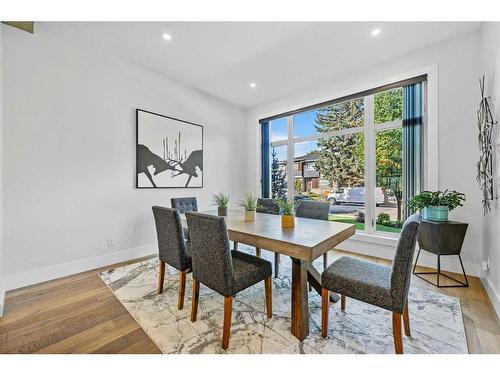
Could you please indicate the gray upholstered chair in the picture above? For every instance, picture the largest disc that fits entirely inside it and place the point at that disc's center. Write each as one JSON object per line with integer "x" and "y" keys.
{"x": 267, "y": 206}
{"x": 222, "y": 270}
{"x": 385, "y": 287}
{"x": 182, "y": 205}
{"x": 172, "y": 248}
{"x": 318, "y": 210}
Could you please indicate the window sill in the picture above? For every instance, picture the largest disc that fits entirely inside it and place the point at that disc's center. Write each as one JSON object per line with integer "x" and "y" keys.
{"x": 380, "y": 239}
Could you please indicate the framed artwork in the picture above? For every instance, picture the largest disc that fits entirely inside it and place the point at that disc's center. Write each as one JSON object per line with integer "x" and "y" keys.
{"x": 169, "y": 152}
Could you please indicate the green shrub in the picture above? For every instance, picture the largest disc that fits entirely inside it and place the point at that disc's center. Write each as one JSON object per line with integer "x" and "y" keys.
{"x": 360, "y": 217}
{"x": 383, "y": 217}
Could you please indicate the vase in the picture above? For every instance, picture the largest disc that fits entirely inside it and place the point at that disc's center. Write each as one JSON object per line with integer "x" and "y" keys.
{"x": 435, "y": 213}
{"x": 287, "y": 221}
{"x": 249, "y": 215}
{"x": 222, "y": 211}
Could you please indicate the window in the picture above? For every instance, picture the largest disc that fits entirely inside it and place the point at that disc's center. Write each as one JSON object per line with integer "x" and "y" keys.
{"x": 353, "y": 153}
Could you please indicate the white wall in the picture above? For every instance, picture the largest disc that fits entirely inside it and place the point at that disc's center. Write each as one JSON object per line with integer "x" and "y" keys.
{"x": 490, "y": 66}
{"x": 69, "y": 156}
{"x": 458, "y": 64}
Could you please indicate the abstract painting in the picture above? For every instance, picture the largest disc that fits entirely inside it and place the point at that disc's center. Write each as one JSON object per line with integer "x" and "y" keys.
{"x": 169, "y": 152}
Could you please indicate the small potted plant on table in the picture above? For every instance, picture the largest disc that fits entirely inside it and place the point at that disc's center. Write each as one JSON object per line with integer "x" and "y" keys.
{"x": 287, "y": 211}
{"x": 435, "y": 205}
{"x": 250, "y": 205}
{"x": 220, "y": 200}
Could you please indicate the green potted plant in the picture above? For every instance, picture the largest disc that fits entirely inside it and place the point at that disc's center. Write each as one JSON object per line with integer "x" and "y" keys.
{"x": 250, "y": 205}
{"x": 220, "y": 200}
{"x": 287, "y": 211}
{"x": 435, "y": 205}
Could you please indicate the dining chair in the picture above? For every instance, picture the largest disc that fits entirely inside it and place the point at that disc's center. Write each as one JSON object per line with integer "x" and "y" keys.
{"x": 222, "y": 270}
{"x": 182, "y": 205}
{"x": 318, "y": 210}
{"x": 172, "y": 248}
{"x": 266, "y": 206}
{"x": 385, "y": 287}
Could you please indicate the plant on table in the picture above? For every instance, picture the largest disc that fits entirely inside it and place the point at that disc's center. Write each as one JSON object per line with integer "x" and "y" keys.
{"x": 287, "y": 210}
{"x": 250, "y": 205}
{"x": 435, "y": 205}
{"x": 220, "y": 200}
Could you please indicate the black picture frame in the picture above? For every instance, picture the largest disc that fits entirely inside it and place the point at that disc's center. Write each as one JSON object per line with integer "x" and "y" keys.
{"x": 139, "y": 164}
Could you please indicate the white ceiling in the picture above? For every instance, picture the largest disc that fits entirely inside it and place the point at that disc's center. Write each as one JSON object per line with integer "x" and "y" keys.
{"x": 222, "y": 58}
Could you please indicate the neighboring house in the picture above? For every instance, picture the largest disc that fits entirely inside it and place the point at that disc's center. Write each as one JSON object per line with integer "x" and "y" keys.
{"x": 303, "y": 169}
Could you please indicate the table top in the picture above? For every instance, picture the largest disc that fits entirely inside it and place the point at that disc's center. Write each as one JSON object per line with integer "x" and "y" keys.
{"x": 308, "y": 240}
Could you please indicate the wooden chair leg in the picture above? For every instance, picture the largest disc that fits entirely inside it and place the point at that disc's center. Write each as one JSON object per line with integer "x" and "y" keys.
{"x": 342, "y": 301}
{"x": 194, "y": 302}
{"x": 161, "y": 277}
{"x": 325, "y": 299}
{"x": 257, "y": 252}
{"x": 396, "y": 332}
{"x": 325, "y": 261}
{"x": 269, "y": 296}
{"x": 276, "y": 264}
{"x": 226, "y": 330}
{"x": 235, "y": 245}
{"x": 182, "y": 290}
{"x": 406, "y": 320}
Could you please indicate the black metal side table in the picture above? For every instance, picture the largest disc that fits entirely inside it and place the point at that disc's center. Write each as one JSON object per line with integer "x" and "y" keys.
{"x": 442, "y": 238}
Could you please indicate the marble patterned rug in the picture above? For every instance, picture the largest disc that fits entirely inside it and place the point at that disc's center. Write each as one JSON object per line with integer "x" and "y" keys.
{"x": 436, "y": 320}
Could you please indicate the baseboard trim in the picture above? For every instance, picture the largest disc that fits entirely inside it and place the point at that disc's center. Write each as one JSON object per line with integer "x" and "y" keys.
{"x": 36, "y": 276}
{"x": 493, "y": 294}
{"x": 2, "y": 295}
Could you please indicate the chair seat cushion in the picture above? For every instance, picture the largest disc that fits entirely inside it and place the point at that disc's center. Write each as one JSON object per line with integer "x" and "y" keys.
{"x": 364, "y": 281}
{"x": 248, "y": 270}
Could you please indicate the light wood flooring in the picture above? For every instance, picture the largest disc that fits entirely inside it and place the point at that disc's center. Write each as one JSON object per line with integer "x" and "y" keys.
{"x": 78, "y": 314}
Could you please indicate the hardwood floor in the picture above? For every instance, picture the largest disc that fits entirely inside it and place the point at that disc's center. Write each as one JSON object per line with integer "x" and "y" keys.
{"x": 78, "y": 314}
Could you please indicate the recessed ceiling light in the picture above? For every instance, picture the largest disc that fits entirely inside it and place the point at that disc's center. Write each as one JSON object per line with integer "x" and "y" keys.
{"x": 375, "y": 32}
{"x": 253, "y": 85}
{"x": 167, "y": 36}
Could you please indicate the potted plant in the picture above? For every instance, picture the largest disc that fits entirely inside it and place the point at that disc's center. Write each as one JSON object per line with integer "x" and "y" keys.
{"x": 435, "y": 205}
{"x": 220, "y": 200}
{"x": 287, "y": 211}
{"x": 250, "y": 205}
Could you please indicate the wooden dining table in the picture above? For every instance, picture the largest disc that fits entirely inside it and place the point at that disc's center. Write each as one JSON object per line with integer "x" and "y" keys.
{"x": 304, "y": 243}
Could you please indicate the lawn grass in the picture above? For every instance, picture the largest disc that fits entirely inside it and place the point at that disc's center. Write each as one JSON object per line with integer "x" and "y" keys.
{"x": 361, "y": 226}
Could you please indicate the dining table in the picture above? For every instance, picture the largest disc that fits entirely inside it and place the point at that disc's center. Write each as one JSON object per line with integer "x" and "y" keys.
{"x": 308, "y": 240}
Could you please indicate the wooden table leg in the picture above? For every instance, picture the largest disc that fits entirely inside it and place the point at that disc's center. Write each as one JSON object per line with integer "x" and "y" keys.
{"x": 314, "y": 278}
{"x": 300, "y": 303}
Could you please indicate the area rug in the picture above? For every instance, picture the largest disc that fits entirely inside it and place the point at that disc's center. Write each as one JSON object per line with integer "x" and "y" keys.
{"x": 436, "y": 320}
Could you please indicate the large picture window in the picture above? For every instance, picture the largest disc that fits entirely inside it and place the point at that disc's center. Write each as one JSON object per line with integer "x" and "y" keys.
{"x": 358, "y": 153}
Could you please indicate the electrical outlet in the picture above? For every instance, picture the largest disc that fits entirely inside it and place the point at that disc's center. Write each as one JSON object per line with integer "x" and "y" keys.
{"x": 486, "y": 264}
{"x": 110, "y": 242}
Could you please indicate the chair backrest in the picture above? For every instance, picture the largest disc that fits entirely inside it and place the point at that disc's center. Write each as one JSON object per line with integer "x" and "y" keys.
{"x": 267, "y": 206}
{"x": 210, "y": 252}
{"x": 182, "y": 205}
{"x": 171, "y": 242}
{"x": 401, "y": 266}
{"x": 318, "y": 210}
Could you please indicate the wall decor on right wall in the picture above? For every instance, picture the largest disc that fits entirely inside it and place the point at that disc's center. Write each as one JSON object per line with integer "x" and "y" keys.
{"x": 486, "y": 139}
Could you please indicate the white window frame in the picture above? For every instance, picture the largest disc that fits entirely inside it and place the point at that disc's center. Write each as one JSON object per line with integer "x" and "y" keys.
{"x": 370, "y": 243}
{"x": 369, "y": 129}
